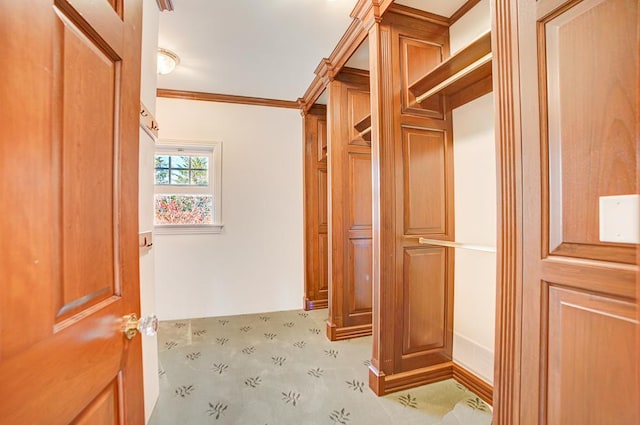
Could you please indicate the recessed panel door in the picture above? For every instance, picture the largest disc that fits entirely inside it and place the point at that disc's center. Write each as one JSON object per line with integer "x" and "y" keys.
{"x": 580, "y": 71}
{"x": 69, "y": 237}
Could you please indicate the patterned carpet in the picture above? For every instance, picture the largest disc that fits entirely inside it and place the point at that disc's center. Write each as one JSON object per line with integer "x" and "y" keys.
{"x": 280, "y": 369}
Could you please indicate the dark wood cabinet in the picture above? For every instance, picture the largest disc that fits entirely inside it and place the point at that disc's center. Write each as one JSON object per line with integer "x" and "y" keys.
{"x": 412, "y": 160}
{"x": 315, "y": 211}
{"x": 350, "y": 296}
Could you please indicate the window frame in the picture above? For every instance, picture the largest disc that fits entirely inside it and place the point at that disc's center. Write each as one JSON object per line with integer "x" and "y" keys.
{"x": 211, "y": 149}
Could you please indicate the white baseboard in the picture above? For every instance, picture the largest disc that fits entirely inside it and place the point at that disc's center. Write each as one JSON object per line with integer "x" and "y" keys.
{"x": 473, "y": 357}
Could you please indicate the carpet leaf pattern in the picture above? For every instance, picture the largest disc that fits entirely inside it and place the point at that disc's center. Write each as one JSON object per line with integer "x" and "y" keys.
{"x": 408, "y": 401}
{"x": 216, "y": 410}
{"x": 219, "y": 368}
{"x": 249, "y": 350}
{"x": 291, "y": 397}
{"x": 194, "y": 356}
{"x": 331, "y": 353}
{"x": 184, "y": 390}
{"x": 476, "y": 404}
{"x": 340, "y": 416}
{"x": 279, "y": 361}
{"x": 253, "y": 382}
{"x": 316, "y": 373}
{"x": 356, "y": 385}
{"x": 279, "y": 368}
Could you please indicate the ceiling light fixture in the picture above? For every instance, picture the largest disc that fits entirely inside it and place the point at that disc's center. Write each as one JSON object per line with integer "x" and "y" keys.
{"x": 167, "y": 61}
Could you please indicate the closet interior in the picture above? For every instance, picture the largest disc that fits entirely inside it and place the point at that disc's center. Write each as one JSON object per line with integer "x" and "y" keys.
{"x": 400, "y": 204}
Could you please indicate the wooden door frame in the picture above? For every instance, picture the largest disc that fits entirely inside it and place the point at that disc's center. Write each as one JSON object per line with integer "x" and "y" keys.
{"x": 506, "y": 86}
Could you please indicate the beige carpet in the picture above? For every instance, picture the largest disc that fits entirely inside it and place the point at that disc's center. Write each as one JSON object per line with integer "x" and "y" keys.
{"x": 280, "y": 369}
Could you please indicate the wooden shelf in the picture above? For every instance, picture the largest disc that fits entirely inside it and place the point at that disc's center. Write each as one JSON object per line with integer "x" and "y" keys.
{"x": 363, "y": 127}
{"x": 467, "y": 67}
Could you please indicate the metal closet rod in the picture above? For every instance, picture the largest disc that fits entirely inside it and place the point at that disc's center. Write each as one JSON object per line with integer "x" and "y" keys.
{"x": 450, "y": 244}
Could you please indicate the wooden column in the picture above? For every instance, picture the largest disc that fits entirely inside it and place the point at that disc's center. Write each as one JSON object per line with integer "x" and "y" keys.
{"x": 507, "y": 398}
{"x": 412, "y": 194}
{"x": 315, "y": 208}
{"x": 349, "y": 207}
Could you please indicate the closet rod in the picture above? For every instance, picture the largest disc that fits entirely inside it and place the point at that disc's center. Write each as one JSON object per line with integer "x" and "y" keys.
{"x": 450, "y": 244}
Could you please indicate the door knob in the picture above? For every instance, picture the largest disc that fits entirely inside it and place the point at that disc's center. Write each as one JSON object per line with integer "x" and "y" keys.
{"x": 147, "y": 325}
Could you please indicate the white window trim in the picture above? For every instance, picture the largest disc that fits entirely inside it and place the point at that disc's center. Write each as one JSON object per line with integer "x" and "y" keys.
{"x": 215, "y": 176}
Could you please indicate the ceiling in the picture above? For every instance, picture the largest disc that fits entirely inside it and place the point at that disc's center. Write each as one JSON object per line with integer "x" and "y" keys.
{"x": 260, "y": 48}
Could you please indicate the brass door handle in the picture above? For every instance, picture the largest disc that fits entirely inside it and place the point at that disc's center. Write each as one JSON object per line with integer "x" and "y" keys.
{"x": 146, "y": 325}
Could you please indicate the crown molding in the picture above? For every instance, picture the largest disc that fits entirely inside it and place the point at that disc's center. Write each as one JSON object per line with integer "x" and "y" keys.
{"x": 421, "y": 15}
{"x": 324, "y": 70}
{"x": 329, "y": 67}
{"x": 227, "y": 98}
{"x": 370, "y": 12}
{"x": 365, "y": 14}
{"x": 316, "y": 87}
{"x": 348, "y": 44}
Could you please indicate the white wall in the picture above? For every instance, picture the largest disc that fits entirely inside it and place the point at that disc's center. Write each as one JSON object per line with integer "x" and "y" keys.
{"x": 145, "y": 204}
{"x": 475, "y": 215}
{"x": 475, "y": 221}
{"x": 472, "y": 25}
{"x": 256, "y": 264}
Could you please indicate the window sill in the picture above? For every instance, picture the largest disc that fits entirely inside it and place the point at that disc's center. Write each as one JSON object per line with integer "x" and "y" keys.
{"x": 185, "y": 229}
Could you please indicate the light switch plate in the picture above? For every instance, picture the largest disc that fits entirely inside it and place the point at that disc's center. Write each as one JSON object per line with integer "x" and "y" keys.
{"x": 620, "y": 219}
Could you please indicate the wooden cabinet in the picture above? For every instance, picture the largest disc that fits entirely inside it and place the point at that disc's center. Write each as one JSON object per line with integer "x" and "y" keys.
{"x": 316, "y": 213}
{"x": 412, "y": 161}
{"x": 350, "y": 296}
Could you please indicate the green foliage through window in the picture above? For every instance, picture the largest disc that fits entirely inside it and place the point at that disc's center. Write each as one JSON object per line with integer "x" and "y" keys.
{"x": 181, "y": 170}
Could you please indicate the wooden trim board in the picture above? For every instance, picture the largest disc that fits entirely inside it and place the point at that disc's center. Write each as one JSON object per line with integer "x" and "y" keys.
{"x": 315, "y": 304}
{"x": 386, "y": 384}
{"x": 227, "y": 98}
{"x": 509, "y": 165}
{"x": 479, "y": 387}
{"x": 337, "y": 334}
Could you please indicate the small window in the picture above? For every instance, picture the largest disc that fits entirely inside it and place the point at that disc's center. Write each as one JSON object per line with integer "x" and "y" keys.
{"x": 187, "y": 187}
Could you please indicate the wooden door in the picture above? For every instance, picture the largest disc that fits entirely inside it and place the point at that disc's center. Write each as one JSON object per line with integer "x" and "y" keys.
{"x": 350, "y": 296}
{"x": 316, "y": 282}
{"x": 579, "y": 71}
{"x": 68, "y": 236}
